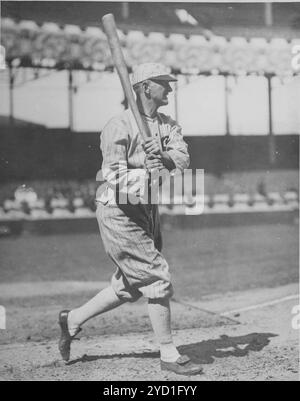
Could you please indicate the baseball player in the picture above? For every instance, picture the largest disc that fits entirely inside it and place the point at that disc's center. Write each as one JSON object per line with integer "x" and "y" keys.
{"x": 130, "y": 231}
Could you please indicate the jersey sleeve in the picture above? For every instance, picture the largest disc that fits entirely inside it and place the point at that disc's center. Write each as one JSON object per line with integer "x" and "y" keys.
{"x": 176, "y": 147}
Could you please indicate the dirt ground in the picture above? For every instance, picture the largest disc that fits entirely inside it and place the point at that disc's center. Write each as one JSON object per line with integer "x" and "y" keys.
{"x": 255, "y": 343}
{"x": 232, "y": 310}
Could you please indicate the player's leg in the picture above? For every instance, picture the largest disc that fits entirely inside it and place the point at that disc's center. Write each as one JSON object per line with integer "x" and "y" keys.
{"x": 104, "y": 301}
{"x": 160, "y": 317}
{"x": 70, "y": 321}
{"x": 159, "y": 308}
{"x": 114, "y": 227}
{"x": 171, "y": 360}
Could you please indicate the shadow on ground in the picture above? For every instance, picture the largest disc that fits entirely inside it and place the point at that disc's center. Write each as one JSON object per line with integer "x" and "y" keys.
{"x": 202, "y": 352}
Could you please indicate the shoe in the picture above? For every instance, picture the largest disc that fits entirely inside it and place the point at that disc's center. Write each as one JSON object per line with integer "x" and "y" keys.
{"x": 183, "y": 366}
{"x": 65, "y": 340}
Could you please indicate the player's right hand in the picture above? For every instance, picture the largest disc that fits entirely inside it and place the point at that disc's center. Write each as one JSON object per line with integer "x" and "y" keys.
{"x": 153, "y": 162}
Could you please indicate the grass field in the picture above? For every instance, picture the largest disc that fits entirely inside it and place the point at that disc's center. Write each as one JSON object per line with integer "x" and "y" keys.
{"x": 202, "y": 261}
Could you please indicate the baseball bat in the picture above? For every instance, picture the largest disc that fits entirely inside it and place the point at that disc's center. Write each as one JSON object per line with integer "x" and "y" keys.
{"x": 110, "y": 29}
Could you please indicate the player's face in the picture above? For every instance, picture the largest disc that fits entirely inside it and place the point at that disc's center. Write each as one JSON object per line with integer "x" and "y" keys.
{"x": 160, "y": 91}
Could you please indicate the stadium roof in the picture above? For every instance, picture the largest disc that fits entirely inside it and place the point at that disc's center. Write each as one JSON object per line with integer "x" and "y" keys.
{"x": 159, "y": 15}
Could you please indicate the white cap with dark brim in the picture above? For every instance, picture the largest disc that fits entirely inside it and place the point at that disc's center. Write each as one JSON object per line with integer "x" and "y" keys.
{"x": 153, "y": 71}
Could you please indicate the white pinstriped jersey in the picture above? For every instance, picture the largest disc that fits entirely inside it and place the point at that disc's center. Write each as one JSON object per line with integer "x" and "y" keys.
{"x": 122, "y": 150}
{"x": 131, "y": 233}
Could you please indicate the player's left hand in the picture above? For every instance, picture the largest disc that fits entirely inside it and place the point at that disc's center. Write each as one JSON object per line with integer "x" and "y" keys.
{"x": 151, "y": 146}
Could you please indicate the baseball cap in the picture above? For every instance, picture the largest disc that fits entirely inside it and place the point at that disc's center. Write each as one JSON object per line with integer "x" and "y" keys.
{"x": 155, "y": 71}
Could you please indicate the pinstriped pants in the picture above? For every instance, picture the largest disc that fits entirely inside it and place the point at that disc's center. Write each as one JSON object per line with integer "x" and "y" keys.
{"x": 132, "y": 239}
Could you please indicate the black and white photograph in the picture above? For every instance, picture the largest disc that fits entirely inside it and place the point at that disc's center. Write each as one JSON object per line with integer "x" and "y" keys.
{"x": 149, "y": 193}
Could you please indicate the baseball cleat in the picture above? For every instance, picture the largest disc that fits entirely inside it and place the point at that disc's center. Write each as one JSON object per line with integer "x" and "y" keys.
{"x": 65, "y": 340}
{"x": 183, "y": 366}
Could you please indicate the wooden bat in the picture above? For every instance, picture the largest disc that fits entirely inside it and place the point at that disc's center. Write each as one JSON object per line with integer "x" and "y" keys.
{"x": 120, "y": 64}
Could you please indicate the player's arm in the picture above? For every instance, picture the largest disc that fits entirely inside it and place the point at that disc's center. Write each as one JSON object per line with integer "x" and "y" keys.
{"x": 177, "y": 149}
{"x": 176, "y": 154}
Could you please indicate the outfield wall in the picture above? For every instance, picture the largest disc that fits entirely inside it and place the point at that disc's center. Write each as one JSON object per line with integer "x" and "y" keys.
{"x": 56, "y": 226}
{"x": 32, "y": 153}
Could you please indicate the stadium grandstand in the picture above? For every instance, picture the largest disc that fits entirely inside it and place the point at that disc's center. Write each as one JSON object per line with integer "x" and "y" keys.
{"x": 237, "y": 99}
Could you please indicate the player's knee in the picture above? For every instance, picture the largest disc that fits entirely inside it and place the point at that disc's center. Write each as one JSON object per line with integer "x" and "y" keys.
{"x": 164, "y": 290}
{"x": 128, "y": 295}
{"x": 134, "y": 297}
{"x": 169, "y": 291}
{"x": 160, "y": 289}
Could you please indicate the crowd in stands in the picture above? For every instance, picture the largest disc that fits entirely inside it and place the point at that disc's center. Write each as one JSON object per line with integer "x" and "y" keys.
{"x": 43, "y": 199}
{"x": 50, "y": 45}
{"x": 63, "y": 199}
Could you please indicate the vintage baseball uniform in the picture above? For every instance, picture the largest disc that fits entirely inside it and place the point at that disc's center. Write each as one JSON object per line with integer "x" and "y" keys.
{"x": 131, "y": 233}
